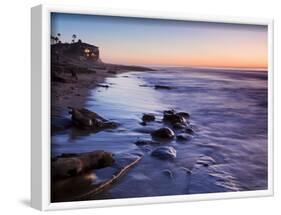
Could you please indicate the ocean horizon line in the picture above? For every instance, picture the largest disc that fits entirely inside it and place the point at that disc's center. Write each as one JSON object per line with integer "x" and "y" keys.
{"x": 265, "y": 69}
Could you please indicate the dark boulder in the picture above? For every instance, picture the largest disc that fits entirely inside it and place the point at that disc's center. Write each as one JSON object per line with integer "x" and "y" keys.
{"x": 172, "y": 117}
{"x": 163, "y": 133}
{"x": 165, "y": 152}
{"x": 68, "y": 165}
{"x": 89, "y": 120}
{"x": 148, "y": 117}
{"x": 90, "y": 183}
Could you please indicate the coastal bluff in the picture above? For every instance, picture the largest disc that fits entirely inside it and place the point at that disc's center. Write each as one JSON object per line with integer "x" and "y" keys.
{"x": 77, "y": 51}
{"x": 86, "y": 55}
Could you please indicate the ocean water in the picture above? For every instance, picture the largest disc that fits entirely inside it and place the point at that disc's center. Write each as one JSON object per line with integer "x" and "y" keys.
{"x": 228, "y": 110}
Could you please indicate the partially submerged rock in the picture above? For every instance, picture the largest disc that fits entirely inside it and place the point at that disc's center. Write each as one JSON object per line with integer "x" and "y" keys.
{"x": 184, "y": 114}
{"x": 68, "y": 165}
{"x": 163, "y": 133}
{"x": 89, "y": 120}
{"x": 189, "y": 130}
{"x": 148, "y": 117}
{"x": 146, "y": 142}
{"x": 143, "y": 123}
{"x": 172, "y": 117}
{"x": 179, "y": 126}
{"x": 165, "y": 152}
{"x": 184, "y": 137}
{"x": 162, "y": 87}
{"x": 103, "y": 85}
{"x": 86, "y": 186}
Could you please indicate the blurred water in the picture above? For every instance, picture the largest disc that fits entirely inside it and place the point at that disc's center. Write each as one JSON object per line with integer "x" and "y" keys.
{"x": 228, "y": 111}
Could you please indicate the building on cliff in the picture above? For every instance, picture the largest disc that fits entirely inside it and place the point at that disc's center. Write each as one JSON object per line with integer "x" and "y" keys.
{"x": 78, "y": 51}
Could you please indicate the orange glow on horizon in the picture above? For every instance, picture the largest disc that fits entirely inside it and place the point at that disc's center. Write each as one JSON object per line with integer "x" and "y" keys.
{"x": 208, "y": 61}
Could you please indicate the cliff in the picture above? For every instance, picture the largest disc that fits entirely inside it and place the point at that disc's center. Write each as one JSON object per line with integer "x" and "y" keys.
{"x": 79, "y": 51}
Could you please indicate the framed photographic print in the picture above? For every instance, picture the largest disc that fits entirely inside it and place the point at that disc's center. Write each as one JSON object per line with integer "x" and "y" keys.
{"x": 133, "y": 107}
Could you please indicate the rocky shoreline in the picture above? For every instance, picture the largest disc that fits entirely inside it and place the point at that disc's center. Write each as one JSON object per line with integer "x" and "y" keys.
{"x": 71, "y": 83}
{"x": 81, "y": 170}
{"x": 80, "y": 176}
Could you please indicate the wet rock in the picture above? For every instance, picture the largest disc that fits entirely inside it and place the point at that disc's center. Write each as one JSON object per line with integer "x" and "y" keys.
{"x": 148, "y": 117}
{"x": 143, "y": 123}
{"x": 162, "y": 87}
{"x": 68, "y": 165}
{"x": 165, "y": 152}
{"x": 89, "y": 120}
{"x": 146, "y": 142}
{"x": 184, "y": 114}
{"x": 163, "y": 133}
{"x": 183, "y": 137}
{"x": 87, "y": 185}
{"x": 179, "y": 126}
{"x": 172, "y": 117}
{"x": 103, "y": 85}
{"x": 189, "y": 130}
{"x": 172, "y": 111}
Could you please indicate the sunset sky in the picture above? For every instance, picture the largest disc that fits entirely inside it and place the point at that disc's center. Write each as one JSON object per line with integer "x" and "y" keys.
{"x": 158, "y": 42}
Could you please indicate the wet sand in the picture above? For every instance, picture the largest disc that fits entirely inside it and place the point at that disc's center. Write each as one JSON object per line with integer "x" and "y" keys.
{"x": 74, "y": 94}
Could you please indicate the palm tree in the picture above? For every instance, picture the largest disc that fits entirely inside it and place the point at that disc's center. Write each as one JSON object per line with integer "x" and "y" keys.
{"x": 56, "y": 39}
{"x": 74, "y": 37}
{"x": 58, "y": 34}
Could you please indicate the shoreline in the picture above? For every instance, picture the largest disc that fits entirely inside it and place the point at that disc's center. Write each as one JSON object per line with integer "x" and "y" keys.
{"x": 75, "y": 93}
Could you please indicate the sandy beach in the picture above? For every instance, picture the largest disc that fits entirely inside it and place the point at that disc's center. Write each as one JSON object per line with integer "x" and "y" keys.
{"x": 74, "y": 94}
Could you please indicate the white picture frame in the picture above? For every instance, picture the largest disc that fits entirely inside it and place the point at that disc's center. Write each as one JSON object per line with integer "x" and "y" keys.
{"x": 40, "y": 66}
